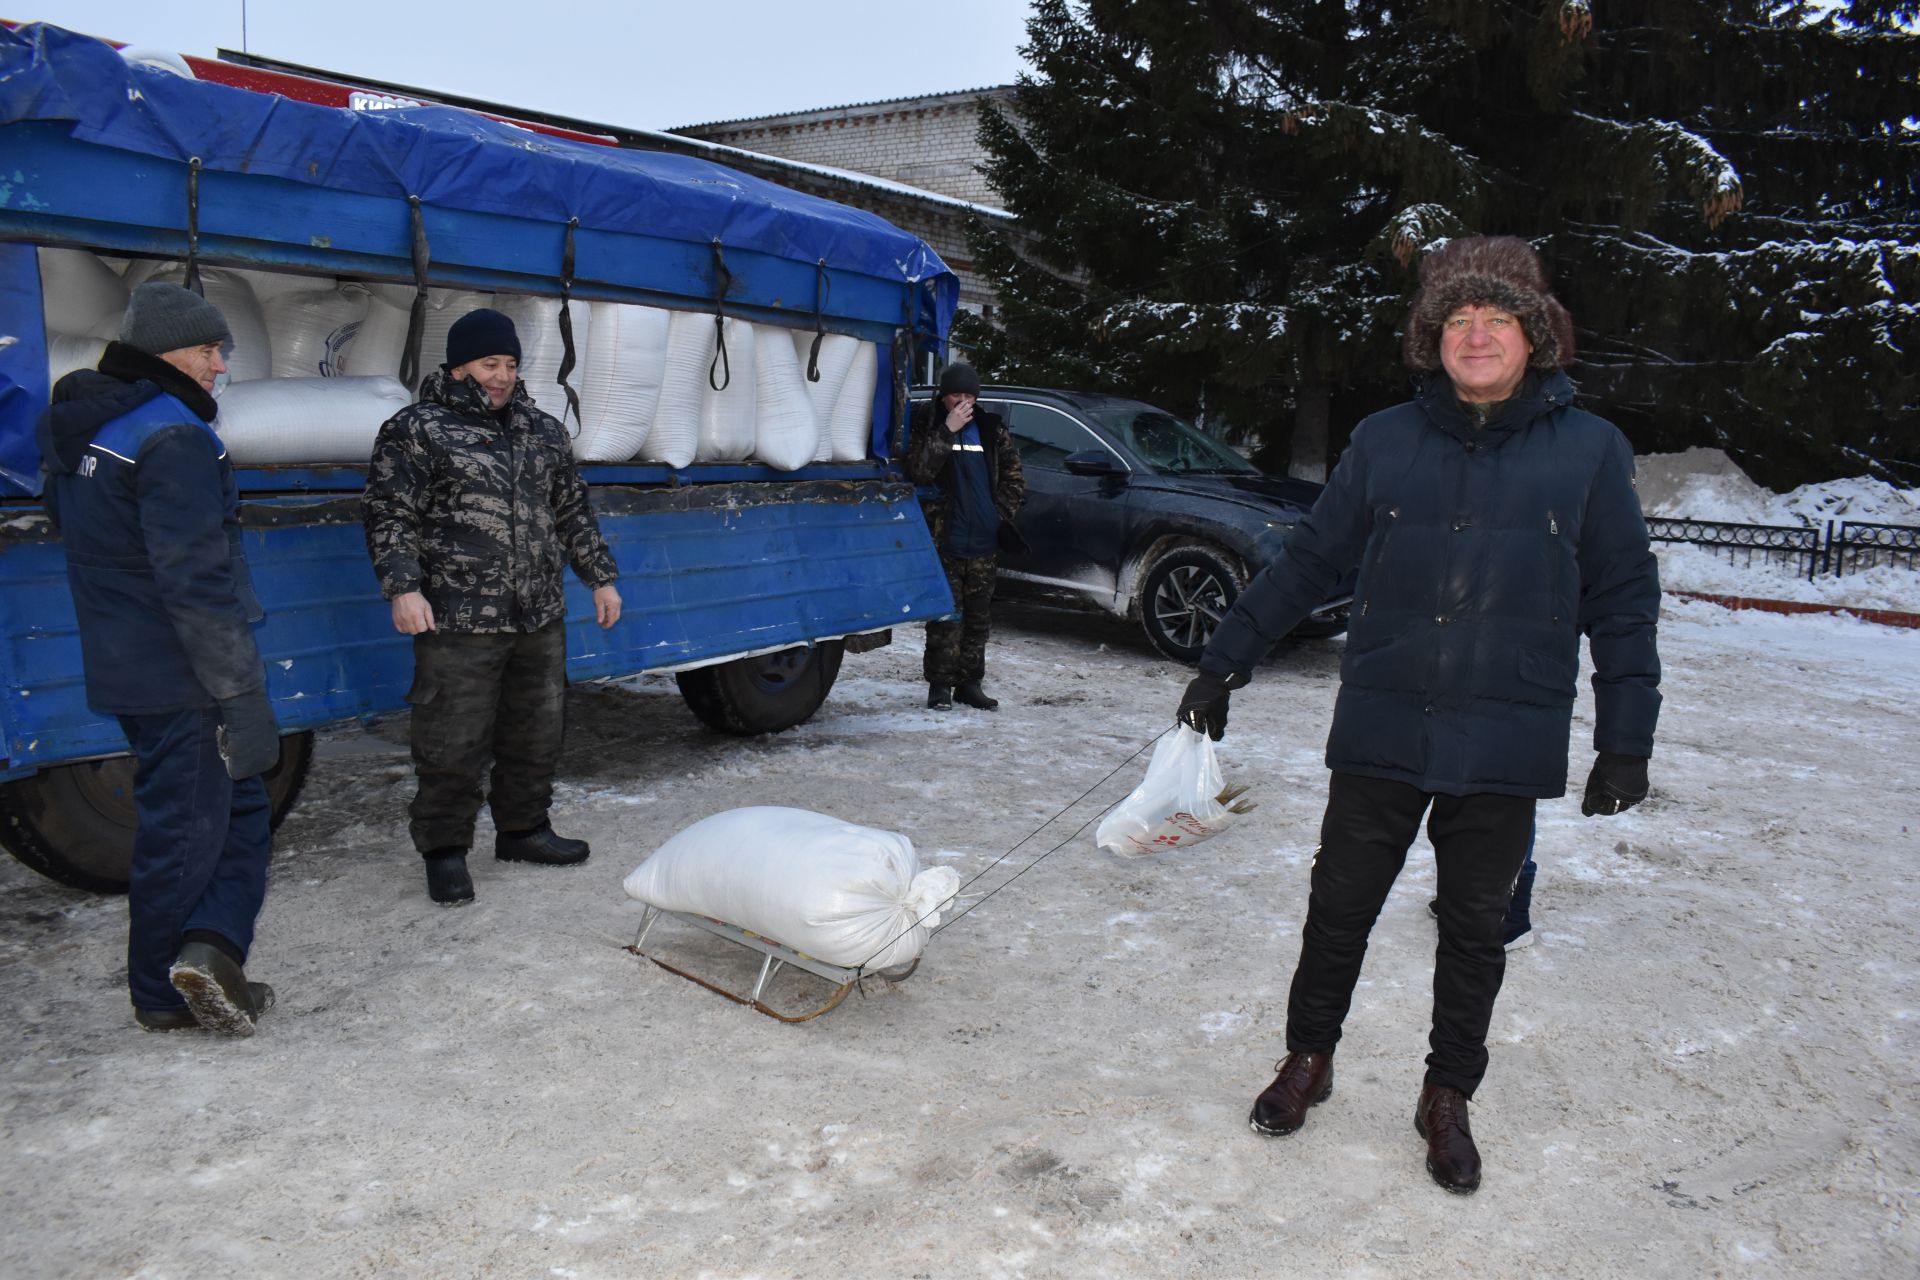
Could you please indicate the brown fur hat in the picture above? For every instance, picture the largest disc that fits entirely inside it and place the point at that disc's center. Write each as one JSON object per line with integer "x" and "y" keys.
{"x": 1493, "y": 271}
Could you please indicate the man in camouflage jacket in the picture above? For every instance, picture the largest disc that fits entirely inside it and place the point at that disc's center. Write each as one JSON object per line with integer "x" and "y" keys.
{"x": 473, "y": 508}
{"x": 966, "y": 453}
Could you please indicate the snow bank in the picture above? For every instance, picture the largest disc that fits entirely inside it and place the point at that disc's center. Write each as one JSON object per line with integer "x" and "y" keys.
{"x": 1705, "y": 484}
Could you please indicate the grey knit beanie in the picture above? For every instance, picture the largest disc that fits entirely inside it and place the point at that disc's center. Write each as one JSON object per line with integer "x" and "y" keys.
{"x": 165, "y": 317}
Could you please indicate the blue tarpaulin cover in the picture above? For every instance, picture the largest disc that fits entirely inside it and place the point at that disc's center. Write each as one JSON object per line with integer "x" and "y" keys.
{"x": 447, "y": 156}
{"x": 451, "y": 159}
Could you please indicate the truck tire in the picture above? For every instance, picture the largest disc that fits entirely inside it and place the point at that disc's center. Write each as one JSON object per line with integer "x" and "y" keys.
{"x": 1183, "y": 596}
{"x": 762, "y": 694}
{"x": 74, "y": 822}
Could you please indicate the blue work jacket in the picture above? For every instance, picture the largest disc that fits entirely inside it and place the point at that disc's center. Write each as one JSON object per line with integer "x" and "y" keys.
{"x": 143, "y": 495}
{"x": 1485, "y": 552}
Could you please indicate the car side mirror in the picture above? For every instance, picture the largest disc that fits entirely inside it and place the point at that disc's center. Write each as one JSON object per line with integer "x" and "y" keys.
{"x": 1092, "y": 462}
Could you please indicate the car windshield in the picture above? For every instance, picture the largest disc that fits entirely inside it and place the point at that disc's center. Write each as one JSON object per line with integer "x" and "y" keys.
{"x": 1167, "y": 444}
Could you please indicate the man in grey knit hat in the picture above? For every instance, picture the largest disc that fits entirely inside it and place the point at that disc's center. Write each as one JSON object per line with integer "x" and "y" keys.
{"x": 1493, "y": 525}
{"x": 142, "y": 492}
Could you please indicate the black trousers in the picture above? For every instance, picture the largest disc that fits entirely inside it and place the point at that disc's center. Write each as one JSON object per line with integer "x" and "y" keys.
{"x": 478, "y": 697}
{"x": 1479, "y": 842}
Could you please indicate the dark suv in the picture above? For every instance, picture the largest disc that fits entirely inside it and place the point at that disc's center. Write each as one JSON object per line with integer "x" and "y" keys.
{"x": 1140, "y": 513}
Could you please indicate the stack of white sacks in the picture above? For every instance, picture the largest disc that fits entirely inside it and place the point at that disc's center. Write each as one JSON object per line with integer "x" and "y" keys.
{"x": 315, "y": 364}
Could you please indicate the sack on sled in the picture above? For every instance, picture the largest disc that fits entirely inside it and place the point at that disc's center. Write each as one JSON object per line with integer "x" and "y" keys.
{"x": 1180, "y": 802}
{"x": 838, "y": 892}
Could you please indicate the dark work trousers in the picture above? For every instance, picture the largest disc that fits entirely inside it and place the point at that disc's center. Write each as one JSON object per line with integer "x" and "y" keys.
{"x": 499, "y": 696}
{"x": 200, "y": 852}
{"x": 957, "y": 650}
{"x": 1479, "y": 843}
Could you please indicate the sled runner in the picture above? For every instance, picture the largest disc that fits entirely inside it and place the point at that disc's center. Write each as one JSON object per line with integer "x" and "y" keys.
{"x": 774, "y": 956}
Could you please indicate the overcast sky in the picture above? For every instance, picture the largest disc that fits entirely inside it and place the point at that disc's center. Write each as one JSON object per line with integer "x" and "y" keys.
{"x": 640, "y": 64}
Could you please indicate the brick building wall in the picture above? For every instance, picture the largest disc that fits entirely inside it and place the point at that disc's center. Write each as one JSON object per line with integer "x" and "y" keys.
{"x": 929, "y": 142}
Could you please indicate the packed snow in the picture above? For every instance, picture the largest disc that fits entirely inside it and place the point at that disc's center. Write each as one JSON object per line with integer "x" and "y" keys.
{"x": 1703, "y": 484}
{"x": 1705, "y": 1066}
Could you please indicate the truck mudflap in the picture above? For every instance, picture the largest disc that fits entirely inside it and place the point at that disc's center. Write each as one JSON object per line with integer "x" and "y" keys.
{"x": 709, "y": 573}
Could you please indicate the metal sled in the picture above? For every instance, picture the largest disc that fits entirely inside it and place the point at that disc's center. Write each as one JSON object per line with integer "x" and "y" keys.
{"x": 773, "y": 954}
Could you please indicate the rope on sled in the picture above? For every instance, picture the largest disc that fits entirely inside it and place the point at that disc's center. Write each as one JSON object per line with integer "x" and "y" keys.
{"x": 861, "y": 968}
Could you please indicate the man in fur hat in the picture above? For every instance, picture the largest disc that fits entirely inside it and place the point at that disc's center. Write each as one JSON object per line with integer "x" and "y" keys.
{"x": 1493, "y": 524}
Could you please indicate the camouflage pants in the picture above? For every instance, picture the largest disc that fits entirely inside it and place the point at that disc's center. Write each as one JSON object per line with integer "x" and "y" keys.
{"x": 957, "y": 651}
{"x": 481, "y": 697}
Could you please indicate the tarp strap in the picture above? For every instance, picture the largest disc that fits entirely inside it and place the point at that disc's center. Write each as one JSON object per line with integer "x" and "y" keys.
{"x": 720, "y": 372}
{"x": 822, "y": 290}
{"x": 566, "y": 325}
{"x": 902, "y": 362}
{"x": 417, "y": 322}
{"x": 192, "y": 280}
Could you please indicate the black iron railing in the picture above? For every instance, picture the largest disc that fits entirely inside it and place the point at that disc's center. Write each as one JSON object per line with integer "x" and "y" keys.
{"x": 1855, "y": 545}
{"x": 1840, "y": 546}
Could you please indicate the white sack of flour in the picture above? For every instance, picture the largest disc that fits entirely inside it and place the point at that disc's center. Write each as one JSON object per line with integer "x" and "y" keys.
{"x": 838, "y": 892}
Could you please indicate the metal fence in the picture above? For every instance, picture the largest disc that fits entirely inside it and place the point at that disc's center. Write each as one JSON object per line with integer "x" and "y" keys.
{"x": 1852, "y": 546}
{"x": 1841, "y": 546}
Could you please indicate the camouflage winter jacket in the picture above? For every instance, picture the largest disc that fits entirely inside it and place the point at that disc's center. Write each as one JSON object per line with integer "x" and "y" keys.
{"x": 479, "y": 510}
{"x": 930, "y": 449}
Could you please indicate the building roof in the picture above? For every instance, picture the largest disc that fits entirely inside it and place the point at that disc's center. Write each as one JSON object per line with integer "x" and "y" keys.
{"x": 851, "y": 106}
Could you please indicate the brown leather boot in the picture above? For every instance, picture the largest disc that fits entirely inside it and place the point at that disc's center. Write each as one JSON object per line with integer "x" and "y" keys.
{"x": 1441, "y": 1119}
{"x": 1305, "y": 1080}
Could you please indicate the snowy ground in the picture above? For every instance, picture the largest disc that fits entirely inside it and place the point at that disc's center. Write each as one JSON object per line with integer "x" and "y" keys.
{"x": 1709, "y": 1064}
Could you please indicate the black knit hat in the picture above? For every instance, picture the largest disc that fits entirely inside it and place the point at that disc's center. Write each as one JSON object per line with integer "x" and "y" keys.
{"x": 164, "y": 317}
{"x": 479, "y": 334}
{"x": 1488, "y": 271}
{"x": 959, "y": 378}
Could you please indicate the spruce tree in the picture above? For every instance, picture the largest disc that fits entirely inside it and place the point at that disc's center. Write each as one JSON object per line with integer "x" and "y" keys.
{"x": 1223, "y": 206}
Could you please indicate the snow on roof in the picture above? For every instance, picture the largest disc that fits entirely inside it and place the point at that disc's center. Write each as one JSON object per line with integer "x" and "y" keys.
{"x": 736, "y": 156}
{"x": 850, "y": 106}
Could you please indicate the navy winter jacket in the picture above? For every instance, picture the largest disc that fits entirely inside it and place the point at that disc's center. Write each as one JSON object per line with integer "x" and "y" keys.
{"x": 1484, "y": 554}
{"x": 143, "y": 495}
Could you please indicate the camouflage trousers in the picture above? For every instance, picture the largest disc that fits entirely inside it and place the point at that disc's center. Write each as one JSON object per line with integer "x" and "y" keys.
{"x": 957, "y": 650}
{"x": 476, "y": 698}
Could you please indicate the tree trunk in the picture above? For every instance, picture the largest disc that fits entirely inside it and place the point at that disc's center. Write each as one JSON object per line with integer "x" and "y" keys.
{"x": 1309, "y": 461}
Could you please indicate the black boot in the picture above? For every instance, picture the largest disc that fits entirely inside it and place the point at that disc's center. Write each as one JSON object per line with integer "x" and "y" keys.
{"x": 973, "y": 695}
{"x": 939, "y": 697}
{"x": 259, "y": 995}
{"x": 1452, "y": 1157}
{"x": 540, "y": 845}
{"x": 448, "y": 881}
{"x": 1304, "y": 1080}
{"x": 216, "y": 991}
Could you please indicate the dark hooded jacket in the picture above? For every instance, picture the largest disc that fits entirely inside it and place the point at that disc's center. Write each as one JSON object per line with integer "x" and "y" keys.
{"x": 929, "y": 458}
{"x": 480, "y": 510}
{"x": 141, "y": 490}
{"x": 1485, "y": 552}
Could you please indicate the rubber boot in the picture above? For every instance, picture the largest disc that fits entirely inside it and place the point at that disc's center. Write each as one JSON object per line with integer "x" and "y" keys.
{"x": 973, "y": 695}
{"x": 448, "y": 881}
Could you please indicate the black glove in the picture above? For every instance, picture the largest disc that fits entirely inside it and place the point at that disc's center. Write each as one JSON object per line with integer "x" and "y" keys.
{"x": 249, "y": 738}
{"x": 1203, "y": 707}
{"x": 1616, "y": 784}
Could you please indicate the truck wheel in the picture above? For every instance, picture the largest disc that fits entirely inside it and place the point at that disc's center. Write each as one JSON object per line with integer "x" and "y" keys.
{"x": 763, "y": 694}
{"x": 74, "y": 822}
{"x": 1183, "y": 597}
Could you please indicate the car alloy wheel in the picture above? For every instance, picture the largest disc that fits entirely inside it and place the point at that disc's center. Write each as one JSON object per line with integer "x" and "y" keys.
{"x": 1186, "y": 593}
